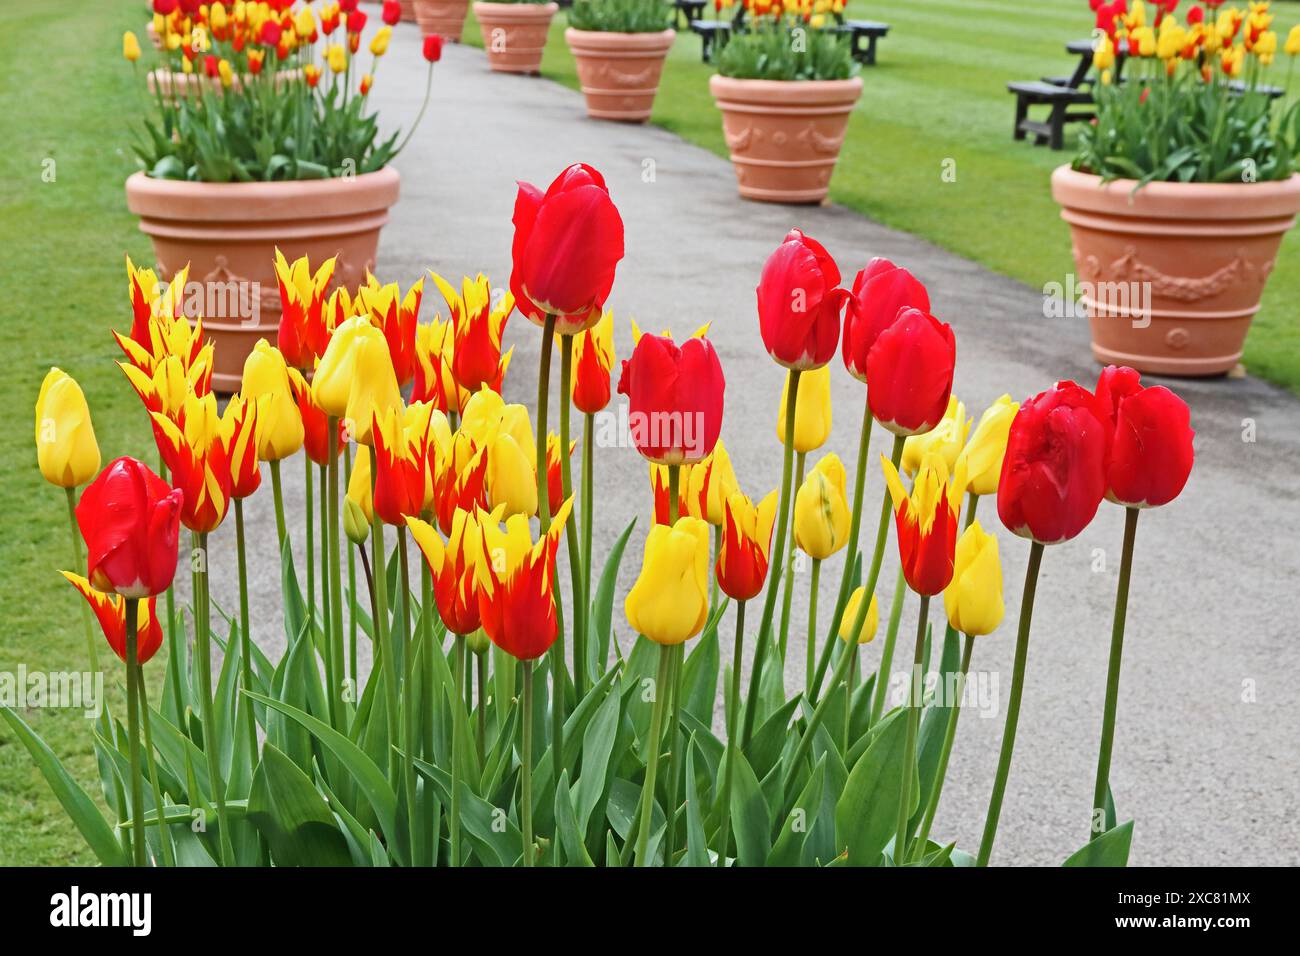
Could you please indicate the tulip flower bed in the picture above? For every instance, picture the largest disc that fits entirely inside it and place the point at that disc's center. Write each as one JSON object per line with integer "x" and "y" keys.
{"x": 490, "y": 731}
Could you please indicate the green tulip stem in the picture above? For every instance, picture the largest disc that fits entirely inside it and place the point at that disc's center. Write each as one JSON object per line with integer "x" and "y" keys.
{"x": 352, "y": 579}
{"x": 526, "y": 765}
{"x": 913, "y": 727}
{"x": 310, "y": 511}
{"x": 481, "y": 669}
{"x": 1013, "y": 704}
{"x": 559, "y": 667}
{"x": 885, "y": 669}
{"x": 456, "y": 755}
{"x": 1098, "y": 824}
{"x": 949, "y": 735}
{"x": 133, "y": 732}
{"x": 873, "y": 575}
{"x": 79, "y": 565}
{"x": 733, "y": 727}
{"x": 812, "y": 624}
{"x": 788, "y": 587}
{"x": 851, "y": 551}
{"x": 383, "y": 645}
{"x": 335, "y": 581}
{"x": 277, "y": 492}
{"x": 203, "y": 662}
{"x": 571, "y": 525}
{"x": 245, "y": 639}
{"x": 662, "y": 685}
{"x": 409, "y": 738}
{"x": 164, "y": 835}
{"x": 774, "y": 572}
{"x": 676, "y": 765}
{"x": 588, "y": 511}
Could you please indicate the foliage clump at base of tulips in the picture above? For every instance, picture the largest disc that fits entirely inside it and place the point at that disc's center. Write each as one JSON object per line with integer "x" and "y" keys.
{"x": 794, "y": 41}
{"x": 1195, "y": 104}
{"x": 253, "y": 91}
{"x": 621, "y": 16}
{"x": 491, "y": 731}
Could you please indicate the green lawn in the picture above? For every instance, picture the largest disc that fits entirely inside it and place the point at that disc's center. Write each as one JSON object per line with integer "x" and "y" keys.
{"x": 65, "y": 95}
{"x": 939, "y": 93}
{"x": 66, "y": 98}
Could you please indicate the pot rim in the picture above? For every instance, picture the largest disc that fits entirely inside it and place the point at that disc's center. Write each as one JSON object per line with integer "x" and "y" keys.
{"x": 1270, "y": 199}
{"x": 786, "y": 92}
{"x": 619, "y": 38}
{"x": 298, "y": 198}
{"x": 523, "y": 11}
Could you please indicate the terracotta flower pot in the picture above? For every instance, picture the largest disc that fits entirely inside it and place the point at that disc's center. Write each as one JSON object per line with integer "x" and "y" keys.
{"x": 443, "y": 17}
{"x": 1172, "y": 274}
{"x": 514, "y": 34}
{"x": 619, "y": 72}
{"x": 784, "y": 136}
{"x": 228, "y": 233}
{"x": 408, "y": 9}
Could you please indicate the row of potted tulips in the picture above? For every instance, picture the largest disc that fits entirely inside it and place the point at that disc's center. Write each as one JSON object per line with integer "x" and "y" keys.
{"x": 487, "y": 731}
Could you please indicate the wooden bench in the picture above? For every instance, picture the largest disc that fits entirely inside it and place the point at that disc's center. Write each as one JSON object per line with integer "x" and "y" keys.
{"x": 687, "y": 11}
{"x": 710, "y": 32}
{"x": 1059, "y": 99}
{"x": 859, "y": 31}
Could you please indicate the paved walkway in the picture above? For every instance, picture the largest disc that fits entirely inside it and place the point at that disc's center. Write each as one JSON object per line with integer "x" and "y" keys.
{"x": 1207, "y": 759}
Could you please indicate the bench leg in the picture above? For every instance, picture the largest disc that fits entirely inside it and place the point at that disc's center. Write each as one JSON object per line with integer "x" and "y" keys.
{"x": 1022, "y": 110}
{"x": 1058, "y": 126}
{"x": 871, "y": 50}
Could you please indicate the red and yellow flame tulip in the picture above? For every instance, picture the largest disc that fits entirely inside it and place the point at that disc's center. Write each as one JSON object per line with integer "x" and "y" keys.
{"x": 927, "y": 524}
{"x": 396, "y": 316}
{"x": 400, "y": 469}
{"x": 593, "y": 360}
{"x": 239, "y": 434}
{"x": 516, "y": 601}
{"x": 303, "y": 333}
{"x": 110, "y": 611}
{"x": 453, "y": 565}
{"x": 477, "y": 326}
{"x": 743, "y": 552}
{"x": 194, "y": 450}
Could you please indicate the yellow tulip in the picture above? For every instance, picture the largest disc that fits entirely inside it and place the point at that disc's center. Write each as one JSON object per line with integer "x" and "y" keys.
{"x": 359, "y": 489}
{"x": 130, "y": 46}
{"x": 821, "y": 510}
{"x": 65, "y": 438}
{"x": 379, "y": 42}
{"x": 708, "y": 484}
{"x": 226, "y": 73}
{"x": 355, "y": 380}
{"x": 670, "y": 600}
{"x": 266, "y": 382}
{"x": 337, "y": 58}
{"x": 511, "y": 477}
{"x": 973, "y": 599}
{"x": 812, "y": 410}
{"x": 1293, "y": 41}
{"x": 869, "y": 626}
{"x": 981, "y": 460}
{"x": 1103, "y": 57}
{"x": 217, "y": 16}
{"x": 945, "y": 439}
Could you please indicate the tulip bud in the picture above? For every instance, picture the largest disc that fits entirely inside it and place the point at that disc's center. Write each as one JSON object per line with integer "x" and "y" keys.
{"x": 66, "y": 450}
{"x": 355, "y": 523}
{"x": 337, "y": 58}
{"x": 869, "y": 626}
{"x": 821, "y": 510}
{"x": 812, "y": 410}
{"x": 130, "y": 46}
{"x": 478, "y": 642}
{"x": 379, "y": 42}
{"x": 669, "y": 602}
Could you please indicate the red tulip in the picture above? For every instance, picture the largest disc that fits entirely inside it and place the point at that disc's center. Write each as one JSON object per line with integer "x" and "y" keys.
{"x": 130, "y": 519}
{"x": 567, "y": 245}
{"x": 165, "y": 7}
{"x": 392, "y": 12}
{"x": 1151, "y": 450}
{"x": 799, "y": 305}
{"x": 1054, "y": 471}
{"x": 675, "y": 397}
{"x": 270, "y": 34}
{"x": 880, "y": 292}
{"x": 433, "y": 47}
{"x": 110, "y": 611}
{"x": 909, "y": 373}
{"x": 356, "y": 22}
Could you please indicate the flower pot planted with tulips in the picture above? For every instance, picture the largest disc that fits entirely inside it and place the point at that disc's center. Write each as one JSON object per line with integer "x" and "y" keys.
{"x": 1183, "y": 188}
{"x": 444, "y": 18}
{"x": 786, "y": 84}
{"x": 514, "y": 33}
{"x": 619, "y": 47}
{"x": 491, "y": 730}
{"x": 272, "y": 147}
